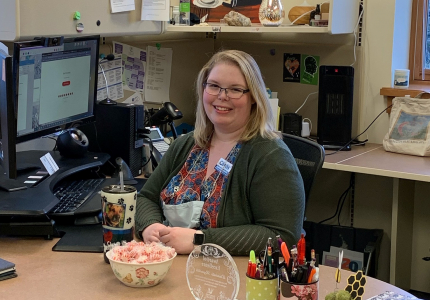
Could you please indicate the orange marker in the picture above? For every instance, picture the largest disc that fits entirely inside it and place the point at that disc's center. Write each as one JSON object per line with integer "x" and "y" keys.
{"x": 285, "y": 253}
{"x": 311, "y": 275}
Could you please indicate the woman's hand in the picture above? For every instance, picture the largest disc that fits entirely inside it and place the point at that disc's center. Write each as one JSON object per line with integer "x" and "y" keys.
{"x": 179, "y": 238}
{"x": 152, "y": 232}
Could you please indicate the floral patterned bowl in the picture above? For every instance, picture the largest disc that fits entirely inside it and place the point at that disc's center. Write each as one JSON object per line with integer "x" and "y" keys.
{"x": 140, "y": 275}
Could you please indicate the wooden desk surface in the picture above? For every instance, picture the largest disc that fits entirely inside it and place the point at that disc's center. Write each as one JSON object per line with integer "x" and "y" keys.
{"x": 45, "y": 274}
{"x": 374, "y": 160}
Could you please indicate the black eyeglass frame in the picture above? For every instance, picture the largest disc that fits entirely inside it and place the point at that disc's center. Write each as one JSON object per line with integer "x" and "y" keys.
{"x": 225, "y": 90}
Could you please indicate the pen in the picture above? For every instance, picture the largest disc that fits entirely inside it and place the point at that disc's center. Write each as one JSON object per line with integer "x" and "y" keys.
{"x": 279, "y": 241}
{"x": 275, "y": 262}
{"x": 269, "y": 260}
{"x": 294, "y": 255}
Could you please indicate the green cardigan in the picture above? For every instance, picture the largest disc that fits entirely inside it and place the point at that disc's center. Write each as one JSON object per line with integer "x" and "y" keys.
{"x": 263, "y": 197}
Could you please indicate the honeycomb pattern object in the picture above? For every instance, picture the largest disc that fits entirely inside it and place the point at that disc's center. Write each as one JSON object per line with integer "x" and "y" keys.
{"x": 355, "y": 287}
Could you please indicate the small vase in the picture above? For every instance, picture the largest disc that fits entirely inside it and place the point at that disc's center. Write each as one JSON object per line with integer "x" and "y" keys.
{"x": 271, "y": 13}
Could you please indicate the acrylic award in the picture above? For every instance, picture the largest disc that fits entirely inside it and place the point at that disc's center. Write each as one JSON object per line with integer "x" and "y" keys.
{"x": 212, "y": 273}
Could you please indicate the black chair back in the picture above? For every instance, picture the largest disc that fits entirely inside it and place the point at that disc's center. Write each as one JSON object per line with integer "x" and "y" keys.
{"x": 309, "y": 157}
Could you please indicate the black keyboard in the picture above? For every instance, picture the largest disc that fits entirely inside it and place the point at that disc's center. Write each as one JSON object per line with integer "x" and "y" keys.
{"x": 73, "y": 194}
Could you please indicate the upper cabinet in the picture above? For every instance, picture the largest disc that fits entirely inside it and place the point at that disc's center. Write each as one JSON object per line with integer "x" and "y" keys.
{"x": 343, "y": 17}
{"x": 25, "y": 19}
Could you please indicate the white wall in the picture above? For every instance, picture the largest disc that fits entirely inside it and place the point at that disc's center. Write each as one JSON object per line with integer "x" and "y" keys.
{"x": 386, "y": 48}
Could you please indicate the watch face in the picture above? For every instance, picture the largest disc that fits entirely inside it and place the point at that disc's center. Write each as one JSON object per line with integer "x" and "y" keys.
{"x": 199, "y": 238}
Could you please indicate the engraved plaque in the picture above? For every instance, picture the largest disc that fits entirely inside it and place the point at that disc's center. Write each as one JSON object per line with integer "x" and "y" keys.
{"x": 212, "y": 273}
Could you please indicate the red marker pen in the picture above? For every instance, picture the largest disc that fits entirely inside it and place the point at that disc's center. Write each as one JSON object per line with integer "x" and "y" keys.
{"x": 301, "y": 250}
{"x": 248, "y": 272}
{"x": 253, "y": 270}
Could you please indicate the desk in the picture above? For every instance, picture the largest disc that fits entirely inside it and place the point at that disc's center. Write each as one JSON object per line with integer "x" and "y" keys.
{"x": 372, "y": 159}
{"x": 44, "y": 274}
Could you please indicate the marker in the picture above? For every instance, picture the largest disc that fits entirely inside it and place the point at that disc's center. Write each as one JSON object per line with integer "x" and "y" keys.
{"x": 285, "y": 253}
{"x": 301, "y": 250}
{"x": 248, "y": 272}
{"x": 279, "y": 241}
{"x": 311, "y": 276}
{"x": 252, "y": 256}
{"x": 253, "y": 269}
{"x": 316, "y": 275}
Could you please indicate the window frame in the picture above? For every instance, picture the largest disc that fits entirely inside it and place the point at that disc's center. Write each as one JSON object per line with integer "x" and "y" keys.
{"x": 417, "y": 42}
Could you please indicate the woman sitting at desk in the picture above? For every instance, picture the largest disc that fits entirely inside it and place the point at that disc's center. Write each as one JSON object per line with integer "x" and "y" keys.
{"x": 232, "y": 178}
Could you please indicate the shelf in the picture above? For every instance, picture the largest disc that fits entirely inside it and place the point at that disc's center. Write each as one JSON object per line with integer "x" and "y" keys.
{"x": 254, "y": 28}
{"x": 412, "y": 91}
{"x": 343, "y": 16}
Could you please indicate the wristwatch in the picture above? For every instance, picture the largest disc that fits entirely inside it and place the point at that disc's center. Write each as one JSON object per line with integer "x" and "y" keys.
{"x": 199, "y": 238}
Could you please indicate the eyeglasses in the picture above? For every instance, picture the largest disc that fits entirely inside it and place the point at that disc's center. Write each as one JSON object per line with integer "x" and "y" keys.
{"x": 215, "y": 90}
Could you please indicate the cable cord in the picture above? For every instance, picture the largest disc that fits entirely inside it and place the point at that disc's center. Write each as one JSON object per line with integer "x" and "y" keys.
{"x": 349, "y": 143}
{"x": 350, "y": 188}
{"x": 305, "y": 101}
{"x": 339, "y": 203}
{"x": 355, "y": 34}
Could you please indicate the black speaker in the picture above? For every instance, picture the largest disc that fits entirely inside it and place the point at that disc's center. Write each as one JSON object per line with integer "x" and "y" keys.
{"x": 292, "y": 124}
{"x": 72, "y": 143}
{"x": 335, "y": 95}
{"x": 117, "y": 132}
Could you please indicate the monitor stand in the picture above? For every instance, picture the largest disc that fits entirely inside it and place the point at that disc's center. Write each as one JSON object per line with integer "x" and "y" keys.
{"x": 11, "y": 185}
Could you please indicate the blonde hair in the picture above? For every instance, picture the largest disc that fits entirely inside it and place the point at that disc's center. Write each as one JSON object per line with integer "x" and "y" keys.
{"x": 260, "y": 121}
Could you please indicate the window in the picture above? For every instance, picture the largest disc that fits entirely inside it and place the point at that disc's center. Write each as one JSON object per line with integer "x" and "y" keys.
{"x": 419, "y": 58}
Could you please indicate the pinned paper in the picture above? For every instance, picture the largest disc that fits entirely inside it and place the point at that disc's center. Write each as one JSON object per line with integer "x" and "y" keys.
{"x": 309, "y": 69}
{"x": 136, "y": 98}
{"x": 121, "y": 5}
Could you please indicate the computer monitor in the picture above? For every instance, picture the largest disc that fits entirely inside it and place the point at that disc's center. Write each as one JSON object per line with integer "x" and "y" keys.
{"x": 7, "y": 128}
{"x": 49, "y": 85}
{"x": 55, "y": 84}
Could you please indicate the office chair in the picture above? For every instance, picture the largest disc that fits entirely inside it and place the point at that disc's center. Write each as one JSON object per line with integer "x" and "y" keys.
{"x": 309, "y": 157}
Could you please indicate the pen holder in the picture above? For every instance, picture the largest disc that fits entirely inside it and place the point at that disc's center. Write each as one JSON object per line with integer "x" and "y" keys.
{"x": 118, "y": 208}
{"x": 301, "y": 291}
{"x": 261, "y": 289}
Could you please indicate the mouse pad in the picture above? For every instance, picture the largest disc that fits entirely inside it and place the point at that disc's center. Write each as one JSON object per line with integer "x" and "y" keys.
{"x": 82, "y": 238}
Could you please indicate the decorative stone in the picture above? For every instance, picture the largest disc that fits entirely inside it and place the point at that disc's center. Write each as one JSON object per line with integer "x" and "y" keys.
{"x": 236, "y": 19}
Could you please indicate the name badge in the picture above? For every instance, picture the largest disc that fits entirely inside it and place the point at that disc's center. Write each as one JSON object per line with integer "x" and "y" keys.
{"x": 223, "y": 166}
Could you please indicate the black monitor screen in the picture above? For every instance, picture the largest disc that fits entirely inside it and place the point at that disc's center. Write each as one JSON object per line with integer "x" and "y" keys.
{"x": 55, "y": 85}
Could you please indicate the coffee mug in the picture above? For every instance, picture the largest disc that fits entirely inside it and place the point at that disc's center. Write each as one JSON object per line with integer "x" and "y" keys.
{"x": 261, "y": 289}
{"x": 302, "y": 291}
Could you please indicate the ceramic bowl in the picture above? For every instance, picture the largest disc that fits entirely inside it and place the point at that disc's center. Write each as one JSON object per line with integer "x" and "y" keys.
{"x": 140, "y": 275}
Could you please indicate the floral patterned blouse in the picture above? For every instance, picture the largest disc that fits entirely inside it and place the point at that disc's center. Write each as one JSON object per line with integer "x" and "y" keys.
{"x": 190, "y": 185}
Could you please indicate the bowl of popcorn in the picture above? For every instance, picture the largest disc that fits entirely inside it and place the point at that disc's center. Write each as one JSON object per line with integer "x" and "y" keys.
{"x": 137, "y": 264}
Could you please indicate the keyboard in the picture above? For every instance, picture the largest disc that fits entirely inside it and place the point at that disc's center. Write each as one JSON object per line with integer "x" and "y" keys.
{"x": 73, "y": 194}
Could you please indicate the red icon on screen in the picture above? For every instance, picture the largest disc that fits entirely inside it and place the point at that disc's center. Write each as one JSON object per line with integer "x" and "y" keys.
{"x": 66, "y": 83}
